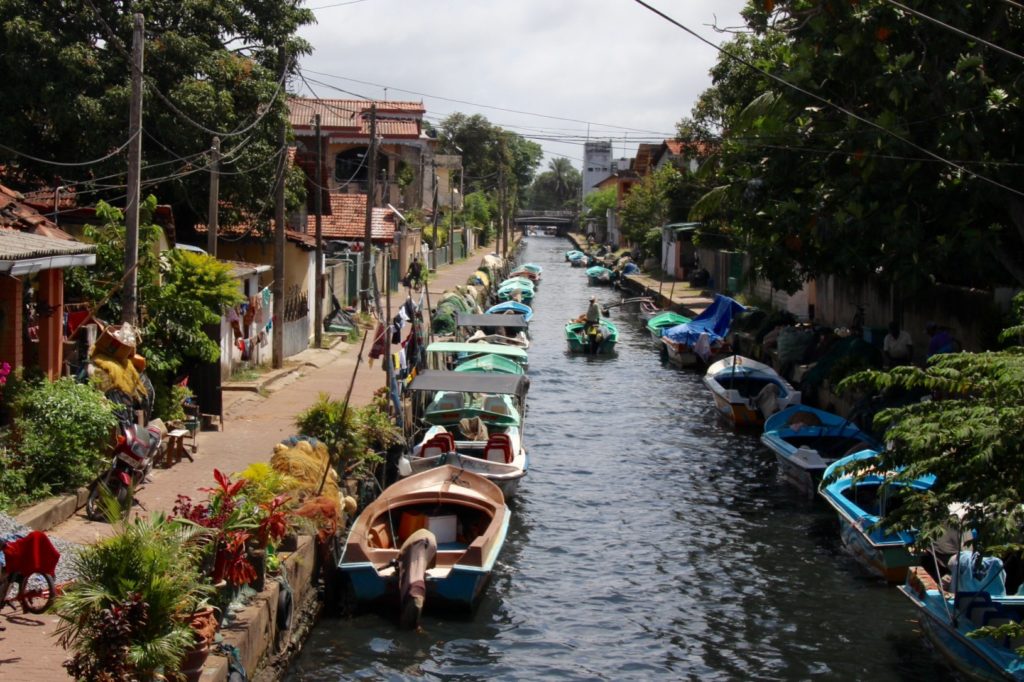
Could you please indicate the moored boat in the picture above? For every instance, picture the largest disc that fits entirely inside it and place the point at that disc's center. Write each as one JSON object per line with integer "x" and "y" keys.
{"x": 600, "y": 340}
{"x": 806, "y": 440}
{"x": 861, "y": 499}
{"x": 446, "y": 355}
{"x": 511, "y": 307}
{"x": 600, "y": 275}
{"x": 490, "y": 363}
{"x": 746, "y": 391}
{"x": 465, "y": 513}
{"x": 977, "y": 597}
{"x": 574, "y": 254}
{"x": 507, "y": 330}
{"x": 475, "y": 421}
{"x": 532, "y": 267}
{"x": 702, "y": 340}
{"x": 516, "y": 291}
{"x": 661, "y": 321}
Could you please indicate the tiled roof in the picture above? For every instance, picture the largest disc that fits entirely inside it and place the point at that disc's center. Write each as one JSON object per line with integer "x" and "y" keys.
{"x": 347, "y": 219}
{"x": 16, "y": 214}
{"x": 645, "y": 157}
{"x": 394, "y": 119}
{"x": 678, "y": 147}
{"x": 17, "y": 245}
{"x": 244, "y": 229}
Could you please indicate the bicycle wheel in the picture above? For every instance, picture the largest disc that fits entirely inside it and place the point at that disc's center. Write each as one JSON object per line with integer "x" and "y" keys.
{"x": 36, "y": 592}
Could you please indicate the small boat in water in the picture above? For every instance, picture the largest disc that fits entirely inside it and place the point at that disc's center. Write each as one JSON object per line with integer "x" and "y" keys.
{"x": 464, "y": 516}
{"x": 446, "y": 355}
{"x": 600, "y": 275}
{"x": 600, "y": 340}
{"x": 661, "y": 321}
{"x": 506, "y": 330}
{"x": 746, "y": 391}
{"x": 648, "y": 310}
{"x": 475, "y": 422}
{"x": 513, "y": 308}
{"x": 862, "y": 498}
{"x": 806, "y": 440}
{"x": 533, "y": 277}
{"x": 532, "y": 267}
{"x": 490, "y": 363}
{"x": 577, "y": 259}
{"x": 702, "y": 340}
{"x": 977, "y": 597}
{"x": 515, "y": 291}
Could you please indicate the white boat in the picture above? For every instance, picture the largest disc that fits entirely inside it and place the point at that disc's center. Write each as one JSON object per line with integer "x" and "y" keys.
{"x": 746, "y": 391}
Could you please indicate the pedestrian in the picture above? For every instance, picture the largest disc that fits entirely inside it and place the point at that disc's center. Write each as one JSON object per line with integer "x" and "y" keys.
{"x": 897, "y": 346}
{"x": 939, "y": 340}
{"x": 414, "y": 275}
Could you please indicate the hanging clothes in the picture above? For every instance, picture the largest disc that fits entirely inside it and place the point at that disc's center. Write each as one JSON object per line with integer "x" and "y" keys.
{"x": 379, "y": 341}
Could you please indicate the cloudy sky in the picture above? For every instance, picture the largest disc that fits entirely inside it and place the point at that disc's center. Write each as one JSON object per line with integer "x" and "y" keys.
{"x": 611, "y": 63}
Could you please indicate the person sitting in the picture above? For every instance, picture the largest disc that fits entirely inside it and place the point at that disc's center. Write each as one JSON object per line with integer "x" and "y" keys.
{"x": 897, "y": 347}
{"x": 592, "y": 324}
{"x": 940, "y": 340}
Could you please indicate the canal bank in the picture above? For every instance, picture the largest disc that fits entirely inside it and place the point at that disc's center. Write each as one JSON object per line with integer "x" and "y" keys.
{"x": 254, "y": 422}
{"x": 647, "y": 541}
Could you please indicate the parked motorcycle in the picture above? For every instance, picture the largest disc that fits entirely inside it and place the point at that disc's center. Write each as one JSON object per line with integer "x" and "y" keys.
{"x": 136, "y": 449}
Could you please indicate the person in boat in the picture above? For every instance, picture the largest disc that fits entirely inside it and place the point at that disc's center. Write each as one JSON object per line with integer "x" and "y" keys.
{"x": 897, "y": 346}
{"x": 592, "y": 324}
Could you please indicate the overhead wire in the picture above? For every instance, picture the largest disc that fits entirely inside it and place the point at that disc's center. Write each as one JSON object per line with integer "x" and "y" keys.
{"x": 825, "y": 100}
{"x": 70, "y": 164}
{"x": 954, "y": 29}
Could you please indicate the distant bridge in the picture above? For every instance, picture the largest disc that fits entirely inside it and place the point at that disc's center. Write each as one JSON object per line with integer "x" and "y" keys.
{"x": 559, "y": 218}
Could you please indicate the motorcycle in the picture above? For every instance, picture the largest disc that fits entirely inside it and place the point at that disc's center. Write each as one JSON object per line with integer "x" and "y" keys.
{"x": 132, "y": 460}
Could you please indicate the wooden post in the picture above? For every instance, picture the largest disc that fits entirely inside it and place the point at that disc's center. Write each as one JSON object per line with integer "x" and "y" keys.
{"x": 212, "y": 220}
{"x": 277, "y": 360}
{"x": 318, "y": 313}
{"x": 370, "y": 201}
{"x": 129, "y": 298}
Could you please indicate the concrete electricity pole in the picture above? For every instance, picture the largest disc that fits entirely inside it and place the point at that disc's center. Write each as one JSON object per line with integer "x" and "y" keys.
{"x": 129, "y": 298}
{"x": 212, "y": 220}
{"x": 277, "y": 359}
{"x": 318, "y": 314}
{"x": 371, "y": 190}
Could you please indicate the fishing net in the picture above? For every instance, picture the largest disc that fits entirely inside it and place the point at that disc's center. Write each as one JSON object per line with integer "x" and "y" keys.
{"x": 304, "y": 461}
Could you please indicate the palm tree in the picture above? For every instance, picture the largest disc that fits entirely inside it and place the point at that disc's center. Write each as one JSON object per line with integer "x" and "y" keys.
{"x": 565, "y": 177}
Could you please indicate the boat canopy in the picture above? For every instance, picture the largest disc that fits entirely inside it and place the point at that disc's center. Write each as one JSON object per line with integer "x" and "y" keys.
{"x": 478, "y": 349}
{"x": 492, "y": 320}
{"x": 714, "y": 321}
{"x": 471, "y": 382}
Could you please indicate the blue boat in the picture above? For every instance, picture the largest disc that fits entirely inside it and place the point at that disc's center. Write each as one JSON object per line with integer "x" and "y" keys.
{"x": 532, "y": 267}
{"x": 806, "y": 440}
{"x": 512, "y": 307}
{"x": 599, "y": 274}
{"x": 465, "y": 513}
{"x": 861, "y": 499}
{"x": 514, "y": 291}
{"x": 577, "y": 259}
{"x": 977, "y": 598}
{"x": 661, "y": 321}
{"x": 685, "y": 344}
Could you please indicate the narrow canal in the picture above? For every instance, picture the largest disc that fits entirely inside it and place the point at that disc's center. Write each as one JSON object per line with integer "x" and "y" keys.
{"x": 649, "y": 541}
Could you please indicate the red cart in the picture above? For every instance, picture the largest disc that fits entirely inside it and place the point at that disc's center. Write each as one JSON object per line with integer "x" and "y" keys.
{"x": 27, "y": 577}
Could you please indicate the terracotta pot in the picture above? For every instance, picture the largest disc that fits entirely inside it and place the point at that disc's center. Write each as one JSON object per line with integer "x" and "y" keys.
{"x": 192, "y": 665}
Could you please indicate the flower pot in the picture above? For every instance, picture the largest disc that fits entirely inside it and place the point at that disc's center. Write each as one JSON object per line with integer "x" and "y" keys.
{"x": 192, "y": 665}
{"x": 258, "y": 559}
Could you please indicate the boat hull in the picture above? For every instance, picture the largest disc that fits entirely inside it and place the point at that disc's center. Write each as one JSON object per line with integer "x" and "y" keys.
{"x": 804, "y": 478}
{"x": 890, "y": 561}
{"x": 505, "y": 476}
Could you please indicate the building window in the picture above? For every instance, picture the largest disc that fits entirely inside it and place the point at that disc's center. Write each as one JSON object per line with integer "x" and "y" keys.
{"x": 350, "y": 166}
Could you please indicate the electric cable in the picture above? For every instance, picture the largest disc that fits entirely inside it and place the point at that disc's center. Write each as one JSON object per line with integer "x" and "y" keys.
{"x": 69, "y": 164}
{"x": 954, "y": 29}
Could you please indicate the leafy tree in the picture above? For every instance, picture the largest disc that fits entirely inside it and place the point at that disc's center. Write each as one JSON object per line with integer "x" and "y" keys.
{"x": 479, "y": 210}
{"x": 597, "y": 204}
{"x": 556, "y": 188}
{"x": 66, "y": 70}
{"x": 810, "y": 190}
{"x": 647, "y": 206}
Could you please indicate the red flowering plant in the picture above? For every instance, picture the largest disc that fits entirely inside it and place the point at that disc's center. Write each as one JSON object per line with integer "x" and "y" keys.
{"x": 273, "y": 521}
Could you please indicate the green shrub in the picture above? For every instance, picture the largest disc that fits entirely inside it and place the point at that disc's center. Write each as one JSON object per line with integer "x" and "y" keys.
{"x": 61, "y": 432}
{"x": 354, "y": 440}
{"x": 12, "y": 480}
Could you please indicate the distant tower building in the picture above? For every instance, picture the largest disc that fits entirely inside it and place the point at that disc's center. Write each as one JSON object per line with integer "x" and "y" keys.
{"x": 597, "y": 163}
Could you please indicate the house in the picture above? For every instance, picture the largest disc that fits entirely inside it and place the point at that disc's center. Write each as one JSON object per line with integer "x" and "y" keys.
{"x": 678, "y": 253}
{"x": 34, "y": 253}
{"x": 622, "y": 181}
{"x": 682, "y": 155}
{"x": 597, "y": 158}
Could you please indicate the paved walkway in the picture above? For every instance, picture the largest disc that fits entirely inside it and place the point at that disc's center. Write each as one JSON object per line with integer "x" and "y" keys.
{"x": 253, "y": 425}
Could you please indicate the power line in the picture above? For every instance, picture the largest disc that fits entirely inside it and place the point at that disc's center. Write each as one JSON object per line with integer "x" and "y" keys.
{"x": 824, "y": 100}
{"x": 482, "y": 106}
{"x": 69, "y": 164}
{"x": 954, "y": 29}
{"x": 337, "y": 4}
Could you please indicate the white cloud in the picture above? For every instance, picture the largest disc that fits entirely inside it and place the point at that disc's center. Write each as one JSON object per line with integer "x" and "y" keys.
{"x": 604, "y": 61}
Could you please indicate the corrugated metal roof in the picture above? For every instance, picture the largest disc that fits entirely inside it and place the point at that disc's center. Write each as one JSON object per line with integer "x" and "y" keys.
{"x": 17, "y": 245}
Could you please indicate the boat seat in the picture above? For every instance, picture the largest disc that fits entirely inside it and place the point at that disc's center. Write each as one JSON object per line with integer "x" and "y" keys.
{"x": 496, "y": 404}
{"x": 498, "y": 448}
{"x": 450, "y": 401}
{"x": 767, "y": 400}
{"x": 439, "y": 444}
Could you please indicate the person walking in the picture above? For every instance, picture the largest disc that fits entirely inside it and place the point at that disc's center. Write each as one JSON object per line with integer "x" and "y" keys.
{"x": 414, "y": 275}
{"x": 897, "y": 347}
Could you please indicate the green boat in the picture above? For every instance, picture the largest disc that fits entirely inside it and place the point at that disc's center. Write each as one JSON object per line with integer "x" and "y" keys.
{"x": 580, "y": 342}
{"x": 532, "y": 267}
{"x": 490, "y": 363}
{"x": 449, "y": 354}
{"x": 518, "y": 281}
{"x": 662, "y": 321}
{"x": 516, "y": 292}
{"x": 599, "y": 274}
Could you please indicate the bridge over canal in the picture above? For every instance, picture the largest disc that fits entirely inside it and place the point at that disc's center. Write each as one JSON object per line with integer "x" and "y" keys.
{"x": 562, "y": 220}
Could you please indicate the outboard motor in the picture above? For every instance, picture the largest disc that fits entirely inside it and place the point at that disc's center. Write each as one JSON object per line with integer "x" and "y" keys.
{"x": 417, "y": 554}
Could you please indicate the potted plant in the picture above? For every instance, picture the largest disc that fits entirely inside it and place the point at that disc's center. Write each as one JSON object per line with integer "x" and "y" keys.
{"x": 127, "y": 615}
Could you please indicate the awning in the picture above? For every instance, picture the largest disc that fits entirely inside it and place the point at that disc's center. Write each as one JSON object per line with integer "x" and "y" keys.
{"x": 493, "y": 320}
{"x": 471, "y": 382}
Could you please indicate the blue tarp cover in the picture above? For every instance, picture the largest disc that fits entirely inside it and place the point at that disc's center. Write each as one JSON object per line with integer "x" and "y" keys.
{"x": 714, "y": 321}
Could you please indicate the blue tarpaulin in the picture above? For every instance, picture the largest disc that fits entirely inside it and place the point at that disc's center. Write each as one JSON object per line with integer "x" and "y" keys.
{"x": 714, "y": 322}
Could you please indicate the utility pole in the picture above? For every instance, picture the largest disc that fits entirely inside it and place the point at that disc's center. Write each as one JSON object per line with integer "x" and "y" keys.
{"x": 129, "y": 298}
{"x": 277, "y": 360}
{"x": 433, "y": 248}
{"x": 451, "y": 219}
{"x": 318, "y": 314}
{"x": 501, "y": 206}
{"x": 371, "y": 190}
{"x": 212, "y": 224}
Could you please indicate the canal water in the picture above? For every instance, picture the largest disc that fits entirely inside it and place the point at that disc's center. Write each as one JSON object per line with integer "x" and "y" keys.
{"x": 648, "y": 541}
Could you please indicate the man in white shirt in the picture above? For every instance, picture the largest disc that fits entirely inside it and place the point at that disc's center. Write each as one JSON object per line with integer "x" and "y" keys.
{"x": 897, "y": 347}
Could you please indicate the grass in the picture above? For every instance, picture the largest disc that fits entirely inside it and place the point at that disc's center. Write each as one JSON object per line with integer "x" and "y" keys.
{"x": 246, "y": 374}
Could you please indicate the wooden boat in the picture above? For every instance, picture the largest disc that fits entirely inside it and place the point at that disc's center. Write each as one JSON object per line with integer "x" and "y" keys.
{"x": 475, "y": 422}
{"x": 573, "y": 255}
{"x": 661, "y": 321}
{"x": 806, "y": 440}
{"x": 490, "y": 363}
{"x": 505, "y": 330}
{"x": 513, "y": 308}
{"x": 532, "y": 267}
{"x": 516, "y": 280}
{"x": 949, "y": 617}
{"x": 580, "y": 342}
{"x": 599, "y": 275}
{"x": 468, "y": 517}
{"x": 516, "y": 292}
{"x": 446, "y": 355}
{"x": 533, "y": 277}
{"x": 702, "y": 340}
{"x": 862, "y": 501}
{"x": 746, "y": 391}
{"x": 648, "y": 310}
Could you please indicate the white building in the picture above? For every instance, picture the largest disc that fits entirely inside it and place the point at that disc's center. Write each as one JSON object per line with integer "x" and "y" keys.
{"x": 597, "y": 163}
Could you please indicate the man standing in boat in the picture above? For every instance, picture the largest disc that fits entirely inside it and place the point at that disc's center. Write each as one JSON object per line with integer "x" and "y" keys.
{"x": 592, "y": 326}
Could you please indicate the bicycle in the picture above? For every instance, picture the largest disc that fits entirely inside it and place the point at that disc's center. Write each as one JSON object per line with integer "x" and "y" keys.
{"x": 27, "y": 574}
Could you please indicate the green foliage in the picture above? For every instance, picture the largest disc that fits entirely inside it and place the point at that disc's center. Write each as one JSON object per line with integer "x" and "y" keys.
{"x": 216, "y": 62}
{"x": 60, "y": 434}
{"x": 13, "y": 491}
{"x": 556, "y": 188}
{"x": 808, "y": 190}
{"x": 353, "y": 436}
{"x": 647, "y": 207}
{"x": 597, "y": 205}
{"x": 152, "y": 561}
{"x": 479, "y": 210}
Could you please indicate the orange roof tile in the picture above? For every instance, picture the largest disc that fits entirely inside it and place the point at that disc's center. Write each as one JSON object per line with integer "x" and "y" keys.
{"x": 394, "y": 119}
{"x": 17, "y": 214}
{"x": 346, "y": 219}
